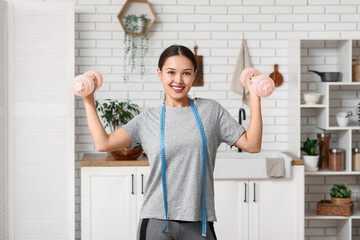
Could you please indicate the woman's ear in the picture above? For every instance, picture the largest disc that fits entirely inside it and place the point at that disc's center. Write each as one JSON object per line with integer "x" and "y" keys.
{"x": 159, "y": 72}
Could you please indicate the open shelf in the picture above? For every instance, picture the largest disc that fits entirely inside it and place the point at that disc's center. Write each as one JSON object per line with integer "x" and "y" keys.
{"x": 137, "y": 7}
{"x": 343, "y": 98}
{"x": 326, "y": 55}
{"x": 355, "y": 226}
{"x": 343, "y": 83}
{"x": 312, "y": 105}
{"x": 333, "y": 55}
{"x": 354, "y": 127}
{"x": 311, "y": 214}
{"x": 327, "y": 172}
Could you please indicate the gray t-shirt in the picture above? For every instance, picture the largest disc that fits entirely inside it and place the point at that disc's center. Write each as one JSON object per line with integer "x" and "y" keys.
{"x": 183, "y": 152}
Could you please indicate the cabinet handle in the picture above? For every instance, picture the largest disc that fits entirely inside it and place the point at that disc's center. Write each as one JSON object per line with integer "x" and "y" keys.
{"x": 245, "y": 193}
{"x": 132, "y": 183}
{"x": 254, "y": 193}
{"x": 142, "y": 183}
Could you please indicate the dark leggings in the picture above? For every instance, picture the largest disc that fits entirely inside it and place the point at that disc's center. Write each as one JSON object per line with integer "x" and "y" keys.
{"x": 152, "y": 229}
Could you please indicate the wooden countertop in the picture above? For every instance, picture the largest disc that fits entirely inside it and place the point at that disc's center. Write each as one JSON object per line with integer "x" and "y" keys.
{"x": 104, "y": 160}
{"x": 296, "y": 160}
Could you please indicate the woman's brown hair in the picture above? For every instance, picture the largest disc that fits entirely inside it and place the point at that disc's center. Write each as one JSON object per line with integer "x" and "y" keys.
{"x": 177, "y": 50}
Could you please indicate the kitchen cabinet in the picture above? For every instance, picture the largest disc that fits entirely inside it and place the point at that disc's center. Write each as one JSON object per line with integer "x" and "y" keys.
{"x": 255, "y": 209}
{"x": 325, "y": 55}
{"x": 111, "y": 201}
{"x": 112, "y": 195}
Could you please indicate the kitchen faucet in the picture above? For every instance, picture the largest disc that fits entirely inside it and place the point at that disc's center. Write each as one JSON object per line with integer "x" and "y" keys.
{"x": 241, "y": 110}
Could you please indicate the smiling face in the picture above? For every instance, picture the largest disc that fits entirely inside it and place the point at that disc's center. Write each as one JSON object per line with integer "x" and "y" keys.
{"x": 177, "y": 75}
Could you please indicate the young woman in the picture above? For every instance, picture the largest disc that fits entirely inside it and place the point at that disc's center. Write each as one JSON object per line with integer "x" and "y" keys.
{"x": 180, "y": 138}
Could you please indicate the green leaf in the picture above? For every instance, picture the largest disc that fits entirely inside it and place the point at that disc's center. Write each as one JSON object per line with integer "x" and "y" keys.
{"x": 340, "y": 191}
{"x": 116, "y": 113}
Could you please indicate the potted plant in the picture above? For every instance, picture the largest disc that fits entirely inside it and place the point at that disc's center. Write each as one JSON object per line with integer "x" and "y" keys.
{"x": 311, "y": 158}
{"x": 135, "y": 26}
{"x": 340, "y": 194}
{"x": 116, "y": 114}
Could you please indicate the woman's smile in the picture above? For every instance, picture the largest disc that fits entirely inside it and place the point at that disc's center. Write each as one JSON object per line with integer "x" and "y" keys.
{"x": 177, "y": 88}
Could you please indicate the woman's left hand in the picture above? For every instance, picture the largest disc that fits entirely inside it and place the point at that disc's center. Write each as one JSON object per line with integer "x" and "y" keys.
{"x": 249, "y": 87}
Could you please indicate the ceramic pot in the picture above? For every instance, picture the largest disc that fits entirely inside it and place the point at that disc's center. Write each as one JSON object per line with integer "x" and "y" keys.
{"x": 311, "y": 161}
{"x": 341, "y": 119}
{"x": 311, "y": 98}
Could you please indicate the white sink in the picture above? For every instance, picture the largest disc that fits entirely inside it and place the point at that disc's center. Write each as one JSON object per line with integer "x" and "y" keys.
{"x": 234, "y": 165}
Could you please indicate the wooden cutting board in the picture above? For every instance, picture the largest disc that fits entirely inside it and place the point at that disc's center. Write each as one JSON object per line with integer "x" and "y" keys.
{"x": 276, "y": 76}
{"x": 199, "y": 81}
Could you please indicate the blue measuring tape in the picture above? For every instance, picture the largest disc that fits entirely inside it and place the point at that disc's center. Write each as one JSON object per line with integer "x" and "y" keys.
{"x": 163, "y": 164}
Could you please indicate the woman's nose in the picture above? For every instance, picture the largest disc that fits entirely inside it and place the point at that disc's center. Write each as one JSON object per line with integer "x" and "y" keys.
{"x": 178, "y": 78}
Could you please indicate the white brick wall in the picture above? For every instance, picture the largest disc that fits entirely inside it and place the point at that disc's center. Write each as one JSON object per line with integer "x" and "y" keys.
{"x": 217, "y": 27}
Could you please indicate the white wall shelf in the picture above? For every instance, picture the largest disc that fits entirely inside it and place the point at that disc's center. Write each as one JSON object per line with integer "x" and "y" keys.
{"x": 342, "y": 83}
{"x": 334, "y": 173}
{"x": 312, "y": 105}
{"x": 325, "y": 55}
{"x": 311, "y": 214}
{"x": 354, "y": 127}
{"x": 336, "y": 55}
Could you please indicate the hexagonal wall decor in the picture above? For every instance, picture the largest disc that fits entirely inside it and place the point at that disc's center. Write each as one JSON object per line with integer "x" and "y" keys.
{"x": 137, "y": 7}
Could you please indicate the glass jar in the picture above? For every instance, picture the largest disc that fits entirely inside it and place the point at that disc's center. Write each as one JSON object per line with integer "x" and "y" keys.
{"x": 336, "y": 159}
{"x": 356, "y": 159}
{"x": 324, "y": 149}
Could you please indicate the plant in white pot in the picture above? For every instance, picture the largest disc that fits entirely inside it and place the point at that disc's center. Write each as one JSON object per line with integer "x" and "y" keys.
{"x": 311, "y": 158}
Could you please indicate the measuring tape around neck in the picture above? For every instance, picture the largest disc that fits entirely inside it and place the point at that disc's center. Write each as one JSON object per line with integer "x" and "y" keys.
{"x": 163, "y": 163}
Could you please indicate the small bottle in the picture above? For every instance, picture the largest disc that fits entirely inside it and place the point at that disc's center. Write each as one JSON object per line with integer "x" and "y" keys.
{"x": 356, "y": 159}
{"x": 324, "y": 148}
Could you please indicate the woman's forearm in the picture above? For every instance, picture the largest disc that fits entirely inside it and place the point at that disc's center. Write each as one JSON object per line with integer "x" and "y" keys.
{"x": 96, "y": 128}
{"x": 254, "y": 131}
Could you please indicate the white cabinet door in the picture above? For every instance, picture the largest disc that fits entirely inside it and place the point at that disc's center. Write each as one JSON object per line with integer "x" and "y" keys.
{"x": 270, "y": 209}
{"x": 142, "y": 177}
{"x": 272, "y": 213}
{"x": 108, "y": 204}
{"x": 3, "y": 122}
{"x": 41, "y": 122}
{"x": 231, "y": 207}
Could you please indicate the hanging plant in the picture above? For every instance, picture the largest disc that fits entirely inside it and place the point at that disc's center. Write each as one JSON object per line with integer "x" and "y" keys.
{"x": 135, "y": 26}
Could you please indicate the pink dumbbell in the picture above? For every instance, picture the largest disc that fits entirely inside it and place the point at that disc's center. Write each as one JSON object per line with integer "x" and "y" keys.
{"x": 84, "y": 85}
{"x": 262, "y": 85}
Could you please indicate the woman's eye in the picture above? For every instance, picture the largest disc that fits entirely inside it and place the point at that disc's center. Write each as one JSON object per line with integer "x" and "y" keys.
{"x": 187, "y": 73}
{"x": 171, "y": 72}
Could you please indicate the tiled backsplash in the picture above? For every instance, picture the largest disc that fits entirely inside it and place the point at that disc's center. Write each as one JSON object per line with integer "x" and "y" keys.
{"x": 217, "y": 27}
